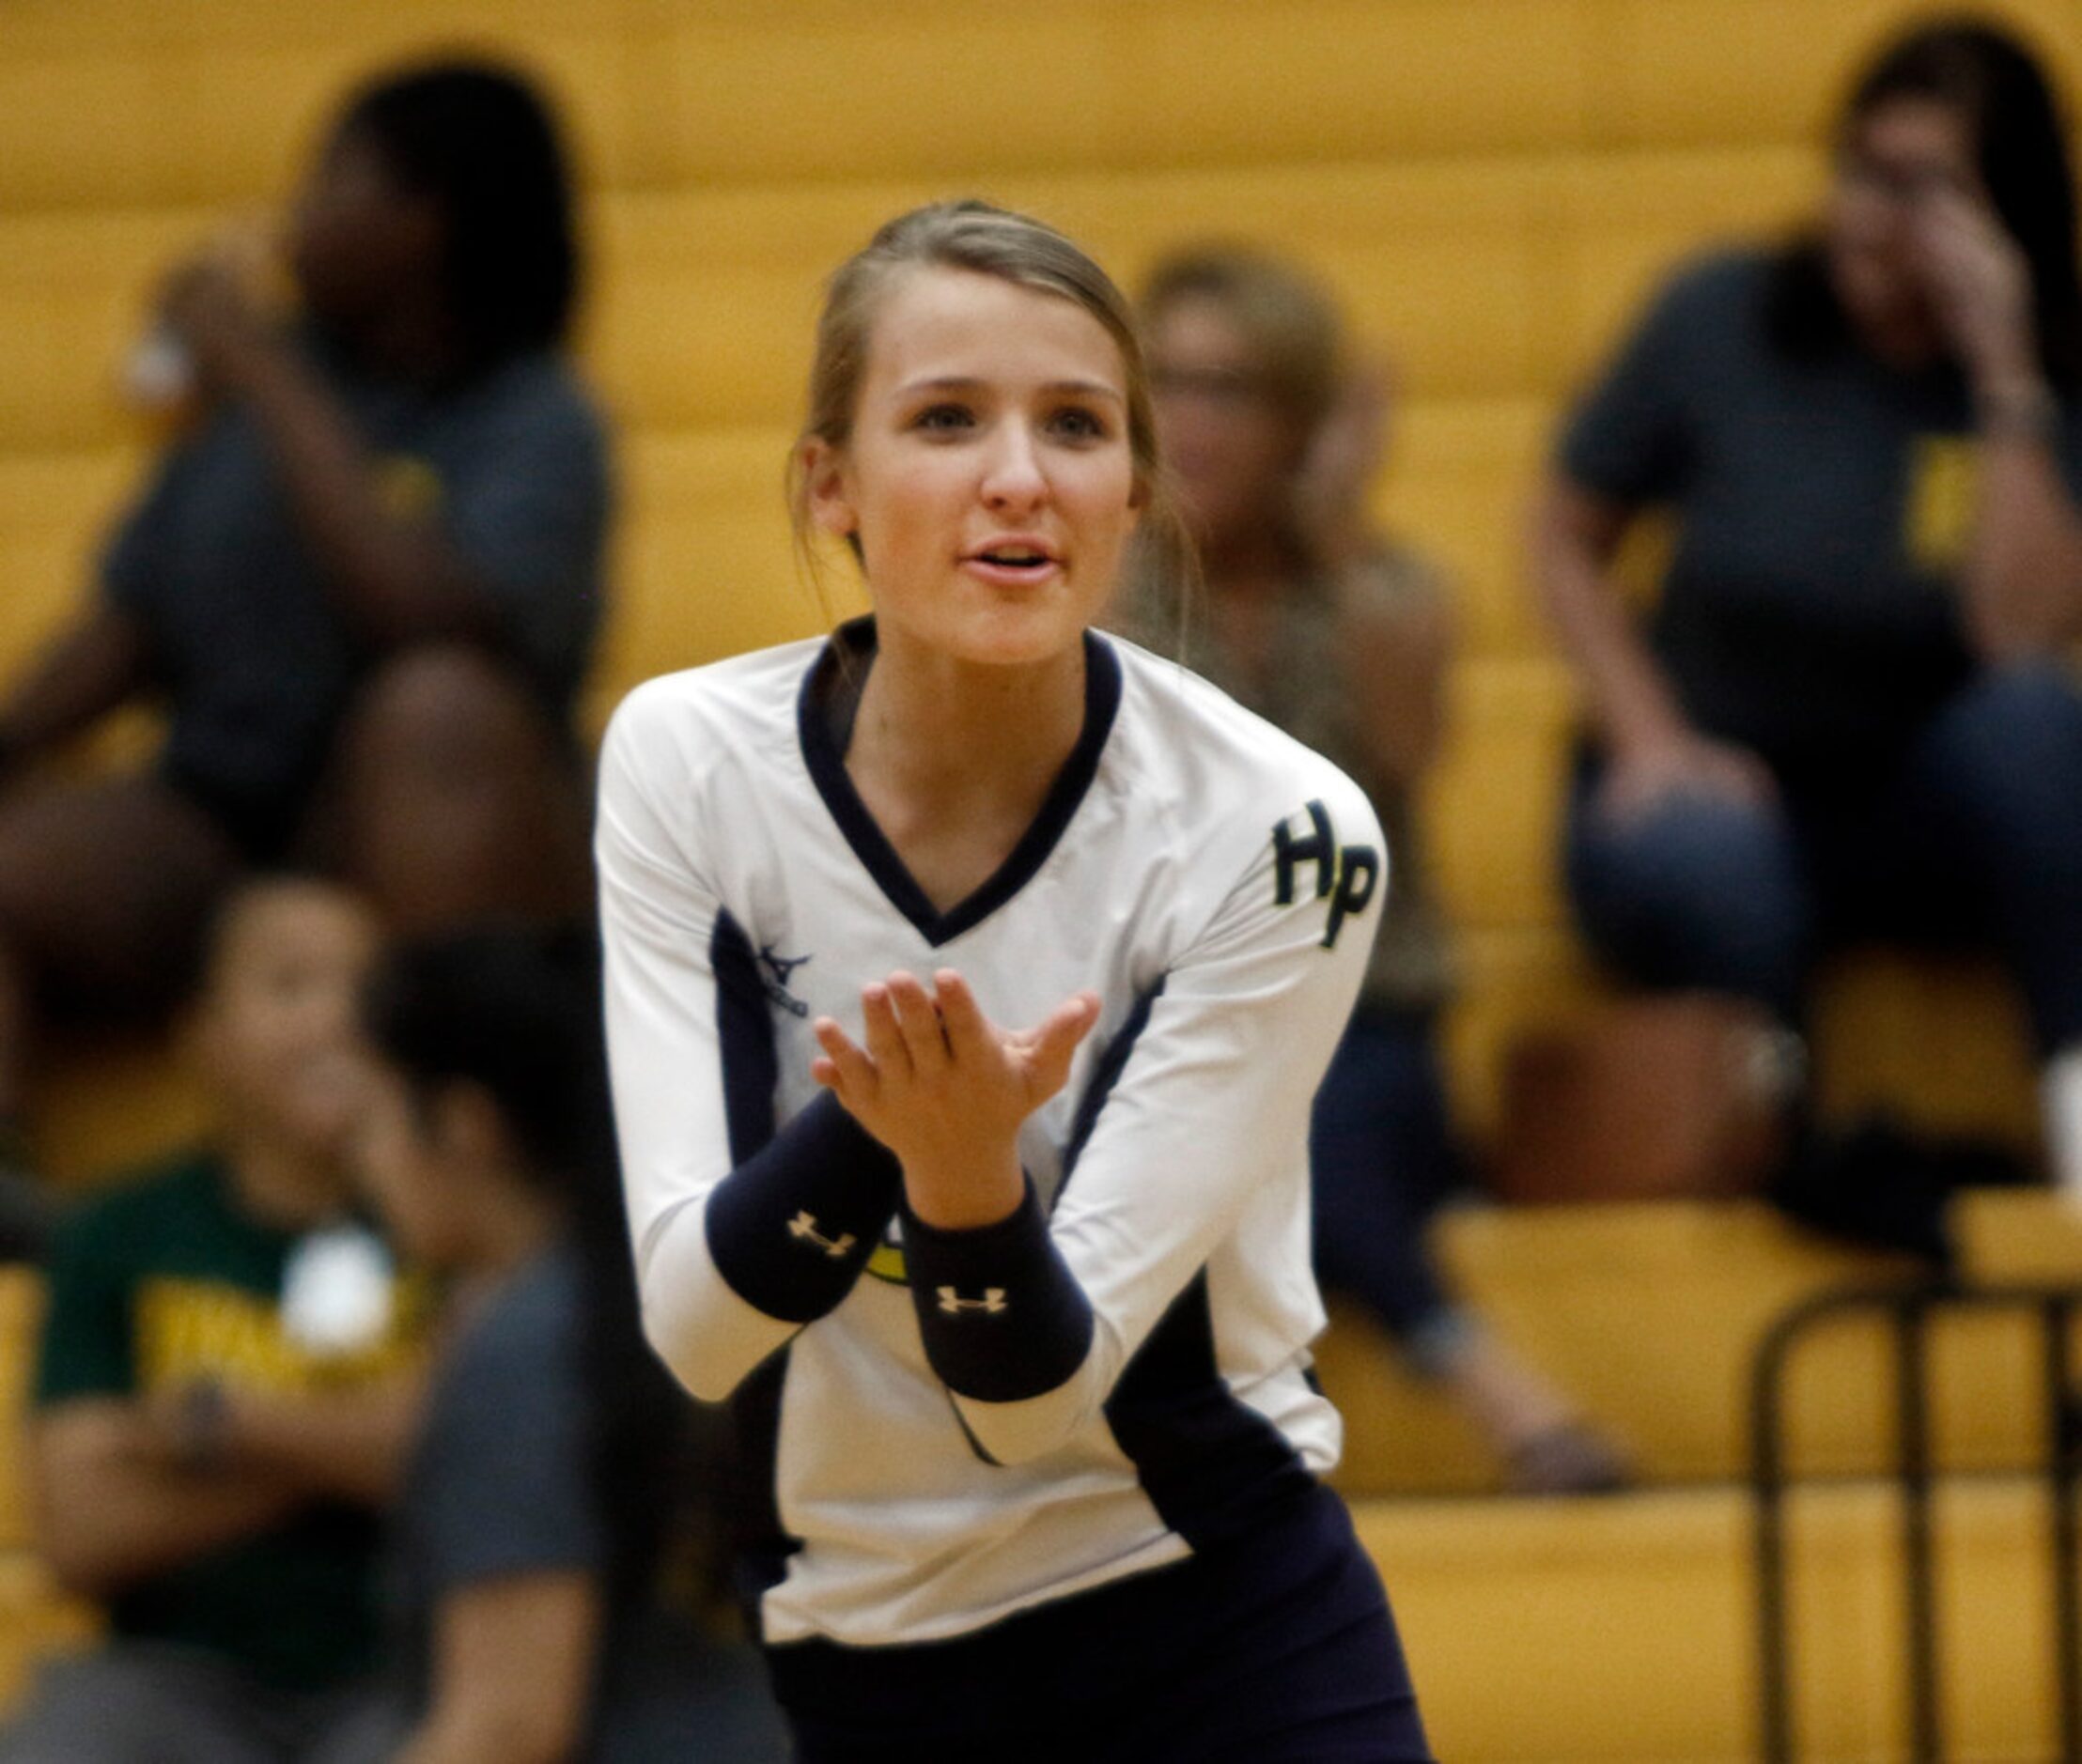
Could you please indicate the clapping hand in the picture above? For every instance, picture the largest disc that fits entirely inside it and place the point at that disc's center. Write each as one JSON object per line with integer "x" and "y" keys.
{"x": 946, "y": 1090}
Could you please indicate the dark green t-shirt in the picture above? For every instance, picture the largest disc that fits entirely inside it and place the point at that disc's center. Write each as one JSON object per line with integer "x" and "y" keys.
{"x": 167, "y": 1280}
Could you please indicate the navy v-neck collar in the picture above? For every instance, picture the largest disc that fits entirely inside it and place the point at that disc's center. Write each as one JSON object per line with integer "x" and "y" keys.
{"x": 824, "y": 753}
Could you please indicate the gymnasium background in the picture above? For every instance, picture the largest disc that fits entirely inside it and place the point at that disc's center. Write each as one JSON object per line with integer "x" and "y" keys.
{"x": 1491, "y": 185}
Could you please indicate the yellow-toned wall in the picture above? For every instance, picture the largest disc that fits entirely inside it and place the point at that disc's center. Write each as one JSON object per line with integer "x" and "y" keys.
{"x": 1490, "y": 185}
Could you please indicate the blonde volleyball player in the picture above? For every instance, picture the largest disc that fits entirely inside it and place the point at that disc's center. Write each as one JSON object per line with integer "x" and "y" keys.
{"x": 1015, "y": 1318}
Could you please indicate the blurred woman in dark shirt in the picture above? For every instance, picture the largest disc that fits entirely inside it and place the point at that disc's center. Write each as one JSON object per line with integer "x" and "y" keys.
{"x": 1854, "y": 712}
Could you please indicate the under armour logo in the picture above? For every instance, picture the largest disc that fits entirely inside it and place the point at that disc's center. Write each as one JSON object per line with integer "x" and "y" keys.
{"x": 802, "y": 1228}
{"x": 991, "y": 1303}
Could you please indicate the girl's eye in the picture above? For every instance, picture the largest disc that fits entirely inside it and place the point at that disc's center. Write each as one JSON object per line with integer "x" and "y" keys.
{"x": 942, "y": 418}
{"x": 1076, "y": 423}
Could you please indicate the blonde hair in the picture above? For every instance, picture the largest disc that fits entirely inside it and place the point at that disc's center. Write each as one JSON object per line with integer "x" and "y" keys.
{"x": 987, "y": 240}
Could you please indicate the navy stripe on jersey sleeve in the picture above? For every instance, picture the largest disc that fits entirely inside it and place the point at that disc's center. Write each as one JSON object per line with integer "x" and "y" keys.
{"x": 791, "y": 1228}
{"x": 1002, "y": 1317}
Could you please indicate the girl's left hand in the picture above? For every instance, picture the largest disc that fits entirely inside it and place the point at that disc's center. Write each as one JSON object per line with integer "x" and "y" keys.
{"x": 946, "y": 1090}
{"x": 1981, "y": 283}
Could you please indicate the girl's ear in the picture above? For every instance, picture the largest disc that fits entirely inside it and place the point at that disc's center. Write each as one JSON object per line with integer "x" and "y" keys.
{"x": 824, "y": 476}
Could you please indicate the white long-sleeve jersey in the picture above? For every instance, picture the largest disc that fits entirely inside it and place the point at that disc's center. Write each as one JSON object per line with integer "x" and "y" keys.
{"x": 950, "y": 1426}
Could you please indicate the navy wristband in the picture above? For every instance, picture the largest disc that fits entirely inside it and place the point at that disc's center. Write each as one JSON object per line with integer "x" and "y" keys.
{"x": 1002, "y": 1317}
{"x": 791, "y": 1228}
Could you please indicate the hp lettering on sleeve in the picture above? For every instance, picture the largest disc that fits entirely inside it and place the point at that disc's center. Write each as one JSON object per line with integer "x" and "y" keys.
{"x": 1346, "y": 875}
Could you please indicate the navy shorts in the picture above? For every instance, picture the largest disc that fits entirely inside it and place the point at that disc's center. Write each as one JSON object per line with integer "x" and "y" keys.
{"x": 1274, "y": 1648}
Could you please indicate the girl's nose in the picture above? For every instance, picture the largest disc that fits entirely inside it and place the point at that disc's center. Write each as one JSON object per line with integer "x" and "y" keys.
{"x": 1013, "y": 476}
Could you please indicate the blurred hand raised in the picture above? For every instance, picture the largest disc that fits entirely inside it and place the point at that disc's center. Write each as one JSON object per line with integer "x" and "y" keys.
{"x": 1979, "y": 284}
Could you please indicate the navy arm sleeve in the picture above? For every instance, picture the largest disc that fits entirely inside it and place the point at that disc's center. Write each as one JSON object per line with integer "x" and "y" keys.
{"x": 791, "y": 1228}
{"x": 1001, "y": 1316}
{"x": 743, "y": 1232}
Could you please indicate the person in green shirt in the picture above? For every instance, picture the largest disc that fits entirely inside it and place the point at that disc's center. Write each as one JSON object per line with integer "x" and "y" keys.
{"x": 227, "y": 1377}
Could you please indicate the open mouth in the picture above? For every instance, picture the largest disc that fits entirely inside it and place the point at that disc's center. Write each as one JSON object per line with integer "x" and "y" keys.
{"x": 1015, "y": 557}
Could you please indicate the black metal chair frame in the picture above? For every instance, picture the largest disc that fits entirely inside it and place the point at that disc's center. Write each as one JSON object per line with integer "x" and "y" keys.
{"x": 1909, "y": 1309}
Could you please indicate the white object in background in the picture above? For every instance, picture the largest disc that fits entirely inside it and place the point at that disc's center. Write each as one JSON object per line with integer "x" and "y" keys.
{"x": 338, "y": 1292}
{"x": 159, "y": 373}
{"x": 2061, "y": 1087}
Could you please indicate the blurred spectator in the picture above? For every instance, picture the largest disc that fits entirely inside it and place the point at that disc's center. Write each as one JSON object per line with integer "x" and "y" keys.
{"x": 364, "y": 584}
{"x": 1341, "y": 638}
{"x": 541, "y": 1489}
{"x": 226, "y": 1384}
{"x": 1851, "y": 715}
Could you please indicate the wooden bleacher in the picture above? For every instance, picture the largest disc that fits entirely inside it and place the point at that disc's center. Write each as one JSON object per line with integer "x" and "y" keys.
{"x": 1652, "y": 1314}
{"x": 1491, "y": 186}
{"x": 1621, "y": 1632}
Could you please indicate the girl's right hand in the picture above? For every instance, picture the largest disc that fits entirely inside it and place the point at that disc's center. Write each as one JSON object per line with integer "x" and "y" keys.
{"x": 946, "y": 1090}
